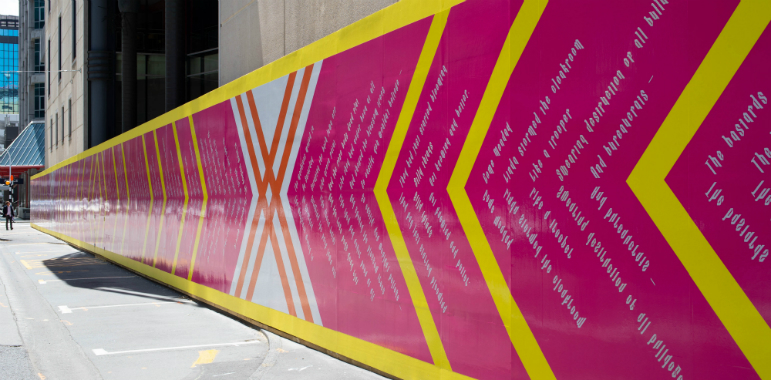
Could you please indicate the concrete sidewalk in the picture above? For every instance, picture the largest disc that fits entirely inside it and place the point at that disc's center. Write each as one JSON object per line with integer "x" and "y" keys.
{"x": 65, "y": 314}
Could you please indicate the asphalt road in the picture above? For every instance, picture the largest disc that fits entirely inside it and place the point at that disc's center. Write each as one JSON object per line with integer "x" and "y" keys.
{"x": 65, "y": 314}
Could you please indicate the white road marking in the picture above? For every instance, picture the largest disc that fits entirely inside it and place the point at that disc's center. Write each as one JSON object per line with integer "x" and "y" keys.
{"x": 118, "y": 290}
{"x": 224, "y": 374}
{"x": 19, "y": 253}
{"x": 16, "y": 245}
{"x": 64, "y": 309}
{"x": 299, "y": 369}
{"x": 69, "y": 309}
{"x": 101, "y": 351}
{"x": 84, "y": 278}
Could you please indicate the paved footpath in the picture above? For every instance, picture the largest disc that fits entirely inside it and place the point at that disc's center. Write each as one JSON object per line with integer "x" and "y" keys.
{"x": 65, "y": 314}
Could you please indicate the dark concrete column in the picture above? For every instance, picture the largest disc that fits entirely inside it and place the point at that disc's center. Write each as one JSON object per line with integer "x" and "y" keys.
{"x": 128, "y": 11}
{"x": 100, "y": 71}
{"x": 175, "y": 54}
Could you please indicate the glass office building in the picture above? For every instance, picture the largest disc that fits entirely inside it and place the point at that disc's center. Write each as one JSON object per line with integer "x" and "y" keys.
{"x": 9, "y": 63}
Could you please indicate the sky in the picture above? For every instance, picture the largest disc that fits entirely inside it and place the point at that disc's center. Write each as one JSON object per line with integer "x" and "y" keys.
{"x": 9, "y": 7}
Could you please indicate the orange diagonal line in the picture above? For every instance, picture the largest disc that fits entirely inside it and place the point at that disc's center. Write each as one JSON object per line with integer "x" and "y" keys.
{"x": 260, "y": 250}
{"x": 258, "y": 130}
{"x": 282, "y": 271}
{"x": 293, "y": 127}
{"x": 256, "y": 169}
{"x": 279, "y": 180}
{"x": 282, "y": 117}
{"x": 295, "y": 266}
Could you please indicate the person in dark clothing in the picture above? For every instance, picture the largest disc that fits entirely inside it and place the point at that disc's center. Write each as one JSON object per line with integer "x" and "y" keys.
{"x": 8, "y": 213}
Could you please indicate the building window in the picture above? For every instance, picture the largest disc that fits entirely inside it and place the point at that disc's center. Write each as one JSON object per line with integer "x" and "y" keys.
{"x": 60, "y": 49}
{"x": 74, "y": 28}
{"x": 69, "y": 118}
{"x": 202, "y": 73}
{"x": 40, "y": 15}
{"x": 74, "y": 35}
{"x": 62, "y": 125}
{"x": 9, "y": 81}
{"x": 56, "y": 126}
{"x": 39, "y": 64}
{"x": 40, "y": 100}
{"x": 48, "y": 58}
{"x": 51, "y": 133}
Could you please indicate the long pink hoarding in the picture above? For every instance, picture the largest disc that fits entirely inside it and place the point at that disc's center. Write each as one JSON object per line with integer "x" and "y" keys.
{"x": 491, "y": 189}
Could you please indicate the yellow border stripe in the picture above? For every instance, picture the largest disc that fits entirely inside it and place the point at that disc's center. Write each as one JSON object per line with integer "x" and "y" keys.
{"x": 519, "y": 332}
{"x": 205, "y": 199}
{"x": 647, "y": 181}
{"x": 187, "y": 197}
{"x": 150, "y": 210}
{"x": 384, "y": 359}
{"x": 163, "y": 207}
{"x": 396, "y": 16}
{"x": 425, "y": 318}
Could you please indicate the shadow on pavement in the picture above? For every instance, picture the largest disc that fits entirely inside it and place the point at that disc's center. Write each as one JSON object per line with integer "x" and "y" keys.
{"x": 84, "y": 270}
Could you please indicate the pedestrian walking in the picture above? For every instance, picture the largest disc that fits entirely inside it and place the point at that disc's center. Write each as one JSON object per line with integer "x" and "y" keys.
{"x": 8, "y": 213}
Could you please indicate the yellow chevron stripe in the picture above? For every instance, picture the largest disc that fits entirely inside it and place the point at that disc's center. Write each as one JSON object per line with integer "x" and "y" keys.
{"x": 163, "y": 207}
{"x": 519, "y": 332}
{"x": 728, "y": 300}
{"x": 104, "y": 213}
{"x": 425, "y": 318}
{"x": 117, "y": 202}
{"x": 150, "y": 210}
{"x": 128, "y": 198}
{"x": 205, "y": 199}
{"x": 184, "y": 205}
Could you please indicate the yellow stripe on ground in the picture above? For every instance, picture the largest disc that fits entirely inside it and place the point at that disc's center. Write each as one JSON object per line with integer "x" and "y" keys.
{"x": 425, "y": 318}
{"x": 521, "y": 336}
{"x": 184, "y": 205}
{"x": 163, "y": 207}
{"x": 205, "y": 198}
{"x": 647, "y": 181}
{"x": 150, "y": 210}
{"x": 205, "y": 357}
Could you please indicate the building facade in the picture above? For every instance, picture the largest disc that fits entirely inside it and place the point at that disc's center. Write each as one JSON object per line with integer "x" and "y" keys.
{"x": 64, "y": 53}
{"x": 9, "y": 64}
{"x": 32, "y": 91}
{"x": 279, "y": 27}
{"x": 182, "y": 50}
{"x": 9, "y": 80}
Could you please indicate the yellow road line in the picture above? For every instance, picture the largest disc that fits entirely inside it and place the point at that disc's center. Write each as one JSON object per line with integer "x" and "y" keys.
{"x": 205, "y": 199}
{"x": 519, "y": 332}
{"x": 205, "y": 357}
{"x": 425, "y": 318}
{"x": 647, "y": 181}
{"x": 184, "y": 205}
